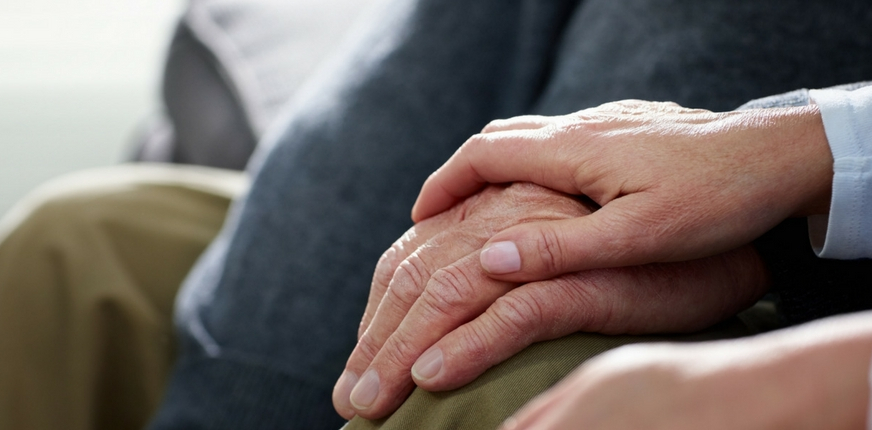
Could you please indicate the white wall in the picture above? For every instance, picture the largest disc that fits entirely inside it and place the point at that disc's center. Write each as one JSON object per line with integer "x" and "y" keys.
{"x": 76, "y": 78}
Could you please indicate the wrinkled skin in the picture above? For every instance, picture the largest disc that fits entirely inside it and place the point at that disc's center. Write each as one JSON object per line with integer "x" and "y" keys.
{"x": 430, "y": 294}
{"x": 674, "y": 184}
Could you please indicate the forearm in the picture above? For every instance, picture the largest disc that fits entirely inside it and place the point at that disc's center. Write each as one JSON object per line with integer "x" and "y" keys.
{"x": 810, "y": 287}
{"x": 812, "y": 376}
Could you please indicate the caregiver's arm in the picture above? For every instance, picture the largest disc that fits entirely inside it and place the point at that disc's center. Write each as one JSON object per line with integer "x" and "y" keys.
{"x": 673, "y": 183}
{"x": 846, "y": 231}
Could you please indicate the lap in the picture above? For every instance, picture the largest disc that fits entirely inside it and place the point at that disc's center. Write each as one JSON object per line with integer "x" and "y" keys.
{"x": 89, "y": 268}
{"x": 499, "y": 392}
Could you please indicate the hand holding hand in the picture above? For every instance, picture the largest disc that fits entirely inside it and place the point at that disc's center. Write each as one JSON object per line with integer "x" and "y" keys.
{"x": 674, "y": 183}
{"x": 435, "y": 319}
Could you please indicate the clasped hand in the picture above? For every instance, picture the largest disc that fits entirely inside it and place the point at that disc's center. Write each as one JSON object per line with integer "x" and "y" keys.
{"x": 434, "y": 318}
{"x": 679, "y": 192}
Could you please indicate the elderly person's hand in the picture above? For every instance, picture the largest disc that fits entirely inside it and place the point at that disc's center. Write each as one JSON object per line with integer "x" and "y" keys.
{"x": 674, "y": 183}
{"x": 810, "y": 377}
{"x": 435, "y": 319}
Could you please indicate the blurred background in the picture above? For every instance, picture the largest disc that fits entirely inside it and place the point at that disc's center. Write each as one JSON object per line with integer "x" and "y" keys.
{"x": 79, "y": 79}
{"x": 76, "y": 79}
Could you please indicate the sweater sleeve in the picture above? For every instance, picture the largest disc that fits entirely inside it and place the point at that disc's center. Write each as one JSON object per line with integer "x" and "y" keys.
{"x": 846, "y": 232}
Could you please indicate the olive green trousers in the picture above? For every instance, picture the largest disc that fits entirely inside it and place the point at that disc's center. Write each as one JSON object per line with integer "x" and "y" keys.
{"x": 89, "y": 269}
{"x": 493, "y": 397}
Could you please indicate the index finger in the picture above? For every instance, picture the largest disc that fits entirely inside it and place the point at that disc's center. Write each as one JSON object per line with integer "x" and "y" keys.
{"x": 498, "y": 157}
{"x": 454, "y": 295}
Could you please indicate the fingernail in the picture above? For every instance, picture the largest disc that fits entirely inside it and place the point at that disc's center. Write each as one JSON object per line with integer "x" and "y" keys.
{"x": 500, "y": 258}
{"x": 342, "y": 392}
{"x": 366, "y": 390}
{"x": 428, "y": 365}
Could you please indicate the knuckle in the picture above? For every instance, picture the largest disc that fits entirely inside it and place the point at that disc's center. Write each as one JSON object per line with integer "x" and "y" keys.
{"x": 475, "y": 345}
{"x": 386, "y": 266}
{"x": 550, "y": 249}
{"x": 409, "y": 280}
{"x": 364, "y": 325}
{"x": 588, "y": 296}
{"x": 400, "y": 353}
{"x": 518, "y": 314}
{"x": 367, "y": 348}
{"x": 449, "y": 289}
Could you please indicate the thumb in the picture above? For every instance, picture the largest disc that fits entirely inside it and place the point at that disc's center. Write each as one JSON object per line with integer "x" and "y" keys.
{"x": 609, "y": 237}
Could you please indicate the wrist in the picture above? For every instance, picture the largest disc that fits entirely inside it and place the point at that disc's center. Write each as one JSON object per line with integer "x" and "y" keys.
{"x": 817, "y": 160}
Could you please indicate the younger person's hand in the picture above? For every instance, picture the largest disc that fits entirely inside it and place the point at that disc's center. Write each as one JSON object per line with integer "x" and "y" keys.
{"x": 674, "y": 183}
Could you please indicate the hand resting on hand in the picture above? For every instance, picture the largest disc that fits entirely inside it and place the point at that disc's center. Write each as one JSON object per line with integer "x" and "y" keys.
{"x": 435, "y": 319}
{"x": 674, "y": 183}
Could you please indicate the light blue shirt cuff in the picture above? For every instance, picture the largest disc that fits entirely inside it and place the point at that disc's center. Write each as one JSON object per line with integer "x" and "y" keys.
{"x": 846, "y": 233}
